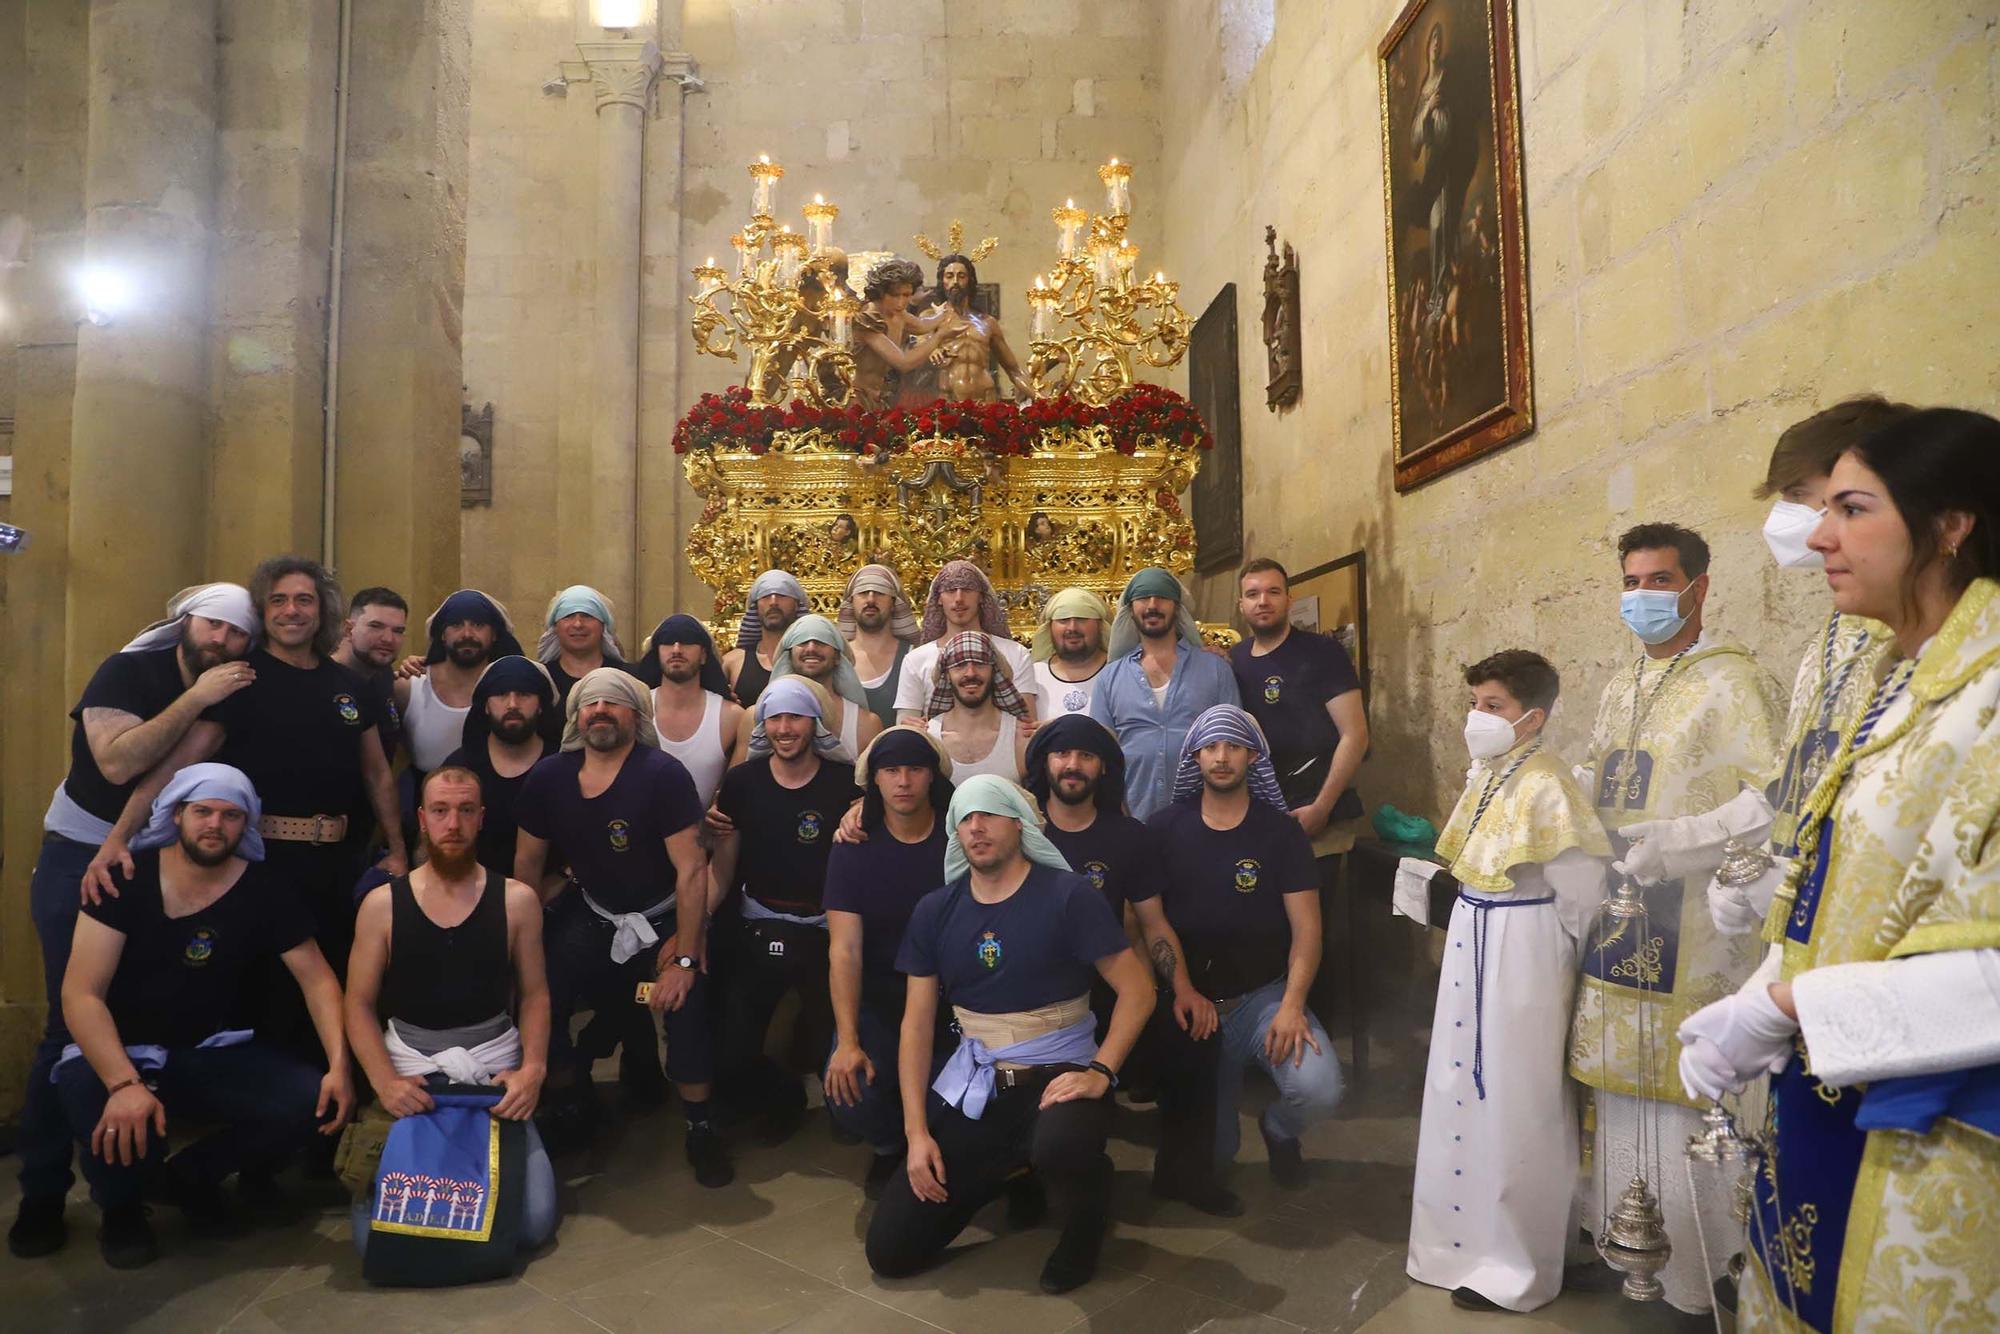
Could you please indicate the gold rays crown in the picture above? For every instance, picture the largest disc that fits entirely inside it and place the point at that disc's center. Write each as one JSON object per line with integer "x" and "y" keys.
{"x": 955, "y": 244}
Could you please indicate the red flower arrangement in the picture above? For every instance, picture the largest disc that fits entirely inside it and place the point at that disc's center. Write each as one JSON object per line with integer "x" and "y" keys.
{"x": 1146, "y": 415}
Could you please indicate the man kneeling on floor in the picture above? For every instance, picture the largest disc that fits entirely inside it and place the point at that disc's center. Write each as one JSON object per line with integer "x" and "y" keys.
{"x": 1012, "y": 941}
{"x": 154, "y": 974}
{"x": 447, "y": 1002}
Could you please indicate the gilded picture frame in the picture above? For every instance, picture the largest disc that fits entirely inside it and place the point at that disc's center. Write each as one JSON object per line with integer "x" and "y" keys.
{"x": 1461, "y": 378}
{"x": 1332, "y": 600}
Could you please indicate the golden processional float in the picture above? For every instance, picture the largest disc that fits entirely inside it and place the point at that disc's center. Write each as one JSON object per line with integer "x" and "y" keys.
{"x": 1076, "y": 485}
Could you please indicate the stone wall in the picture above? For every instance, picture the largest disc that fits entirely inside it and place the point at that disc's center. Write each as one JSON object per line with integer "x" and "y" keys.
{"x": 1736, "y": 214}
{"x": 907, "y": 113}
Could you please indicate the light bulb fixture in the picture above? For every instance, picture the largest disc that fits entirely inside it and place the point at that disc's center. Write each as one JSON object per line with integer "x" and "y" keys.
{"x": 619, "y": 14}
{"x": 106, "y": 292}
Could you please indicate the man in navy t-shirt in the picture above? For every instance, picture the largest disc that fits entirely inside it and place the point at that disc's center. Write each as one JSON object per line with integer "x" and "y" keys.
{"x": 1011, "y": 942}
{"x": 1077, "y": 772}
{"x": 625, "y": 815}
{"x": 1243, "y": 894}
{"x": 872, "y": 887}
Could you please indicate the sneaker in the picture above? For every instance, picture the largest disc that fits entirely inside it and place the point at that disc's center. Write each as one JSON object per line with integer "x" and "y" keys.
{"x": 126, "y": 1239}
{"x": 1288, "y": 1163}
{"x": 708, "y": 1158}
{"x": 1209, "y": 1197}
{"x": 38, "y": 1228}
{"x": 882, "y": 1169}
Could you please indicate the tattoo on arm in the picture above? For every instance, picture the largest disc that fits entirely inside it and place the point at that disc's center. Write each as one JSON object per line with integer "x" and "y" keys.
{"x": 1163, "y": 962}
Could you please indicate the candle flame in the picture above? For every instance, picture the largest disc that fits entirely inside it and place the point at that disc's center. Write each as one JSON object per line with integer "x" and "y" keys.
{"x": 764, "y": 158}
{"x": 819, "y": 198}
{"x": 1114, "y": 162}
{"x": 1069, "y": 203}
{"x": 710, "y": 261}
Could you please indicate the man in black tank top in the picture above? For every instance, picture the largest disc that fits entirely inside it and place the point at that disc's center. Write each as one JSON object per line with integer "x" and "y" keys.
{"x": 445, "y": 985}
{"x": 776, "y": 600}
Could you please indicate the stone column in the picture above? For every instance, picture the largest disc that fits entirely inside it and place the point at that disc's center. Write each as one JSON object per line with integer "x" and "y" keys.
{"x": 622, "y": 76}
{"x": 139, "y": 426}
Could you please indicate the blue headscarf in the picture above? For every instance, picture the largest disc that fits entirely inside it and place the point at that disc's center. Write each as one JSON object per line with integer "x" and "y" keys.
{"x": 796, "y": 695}
{"x": 991, "y": 794}
{"x": 1151, "y": 582}
{"x": 1226, "y": 722}
{"x": 579, "y": 598}
{"x": 680, "y": 628}
{"x": 469, "y": 604}
{"x": 204, "y": 782}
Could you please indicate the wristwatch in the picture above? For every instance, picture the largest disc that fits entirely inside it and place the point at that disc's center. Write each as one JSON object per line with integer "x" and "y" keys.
{"x": 1106, "y": 1071}
{"x": 686, "y": 961}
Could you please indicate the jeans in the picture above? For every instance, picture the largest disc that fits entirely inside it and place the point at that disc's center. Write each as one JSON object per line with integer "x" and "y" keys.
{"x": 259, "y": 1098}
{"x": 1307, "y": 1093}
{"x": 539, "y": 1211}
{"x": 577, "y": 944}
{"x": 1065, "y": 1146}
{"x": 878, "y": 1117}
{"x": 52, "y": 902}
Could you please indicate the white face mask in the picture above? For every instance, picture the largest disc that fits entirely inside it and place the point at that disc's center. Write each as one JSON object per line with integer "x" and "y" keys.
{"x": 1488, "y": 734}
{"x": 1786, "y": 531}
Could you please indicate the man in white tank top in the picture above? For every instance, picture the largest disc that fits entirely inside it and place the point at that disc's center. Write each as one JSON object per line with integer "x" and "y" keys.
{"x": 814, "y": 648}
{"x": 974, "y": 710}
{"x": 691, "y": 705}
{"x": 1069, "y": 651}
{"x": 468, "y": 631}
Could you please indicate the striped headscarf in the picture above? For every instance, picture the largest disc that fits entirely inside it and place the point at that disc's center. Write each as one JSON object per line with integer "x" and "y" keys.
{"x": 972, "y": 646}
{"x": 750, "y": 631}
{"x": 880, "y": 579}
{"x": 956, "y": 575}
{"x": 1226, "y": 722}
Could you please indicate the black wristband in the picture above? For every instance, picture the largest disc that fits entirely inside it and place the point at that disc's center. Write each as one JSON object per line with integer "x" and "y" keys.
{"x": 1106, "y": 1071}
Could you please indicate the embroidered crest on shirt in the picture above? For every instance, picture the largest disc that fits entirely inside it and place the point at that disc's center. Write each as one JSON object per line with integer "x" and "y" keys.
{"x": 1096, "y": 871}
{"x": 199, "y": 947}
{"x": 809, "y": 826}
{"x": 620, "y": 835}
{"x": 989, "y": 950}
{"x": 1246, "y": 875}
{"x": 350, "y": 712}
{"x": 1274, "y": 686}
{"x": 1075, "y": 701}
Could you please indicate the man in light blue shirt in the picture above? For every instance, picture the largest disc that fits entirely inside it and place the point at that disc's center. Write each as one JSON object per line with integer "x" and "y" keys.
{"x": 1158, "y": 680}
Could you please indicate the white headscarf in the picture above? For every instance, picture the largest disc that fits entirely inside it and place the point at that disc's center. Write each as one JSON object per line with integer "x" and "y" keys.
{"x": 218, "y": 602}
{"x": 991, "y": 794}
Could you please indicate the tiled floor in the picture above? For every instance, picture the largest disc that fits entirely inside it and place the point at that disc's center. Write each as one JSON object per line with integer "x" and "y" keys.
{"x": 642, "y": 1247}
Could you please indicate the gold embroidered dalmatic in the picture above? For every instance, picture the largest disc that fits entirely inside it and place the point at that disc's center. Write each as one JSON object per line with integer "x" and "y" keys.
{"x": 1540, "y": 814}
{"x": 1837, "y": 673}
{"x": 1708, "y": 724}
{"x": 1913, "y": 867}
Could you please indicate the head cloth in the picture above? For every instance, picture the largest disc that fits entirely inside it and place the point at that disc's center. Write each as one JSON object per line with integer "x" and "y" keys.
{"x": 1078, "y": 731}
{"x": 972, "y": 646}
{"x": 620, "y": 687}
{"x": 205, "y": 782}
{"x": 880, "y": 579}
{"x": 681, "y": 628}
{"x": 1151, "y": 582}
{"x": 1226, "y": 722}
{"x": 963, "y": 574}
{"x": 1064, "y": 605}
{"x": 469, "y": 604}
{"x": 502, "y": 676}
{"x": 816, "y": 628}
{"x": 218, "y": 602}
{"x": 579, "y": 598}
{"x": 806, "y": 698}
{"x": 991, "y": 794}
{"x": 750, "y": 632}
{"x": 903, "y": 744}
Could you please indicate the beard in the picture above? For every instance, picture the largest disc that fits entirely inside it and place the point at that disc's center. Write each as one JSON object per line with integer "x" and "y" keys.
{"x": 199, "y": 659}
{"x": 776, "y": 619}
{"x": 467, "y": 652}
{"x": 205, "y": 855}
{"x": 680, "y": 672}
{"x": 972, "y": 696}
{"x": 451, "y": 862}
{"x": 871, "y": 618}
{"x": 605, "y": 736}
{"x": 1075, "y": 788}
{"x": 1081, "y": 654}
{"x": 1159, "y": 629}
{"x": 514, "y": 728}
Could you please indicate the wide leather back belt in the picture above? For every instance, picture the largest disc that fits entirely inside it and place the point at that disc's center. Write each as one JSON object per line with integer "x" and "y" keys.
{"x": 314, "y": 829}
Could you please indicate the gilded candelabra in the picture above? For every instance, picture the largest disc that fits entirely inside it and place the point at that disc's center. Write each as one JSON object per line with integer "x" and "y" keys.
{"x": 798, "y": 344}
{"x": 1091, "y": 319}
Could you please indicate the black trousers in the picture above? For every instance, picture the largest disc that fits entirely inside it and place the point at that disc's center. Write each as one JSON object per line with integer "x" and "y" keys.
{"x": 1183, "y": 1073}
{"x": 322, "y": 875}
{"x": 771, "y": 959}
{"x": 577, "y": 945}
{"x": 1065, "y": 1146}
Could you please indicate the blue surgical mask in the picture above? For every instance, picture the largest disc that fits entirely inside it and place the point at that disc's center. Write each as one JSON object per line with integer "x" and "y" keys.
{"x": 1652, "y": 615}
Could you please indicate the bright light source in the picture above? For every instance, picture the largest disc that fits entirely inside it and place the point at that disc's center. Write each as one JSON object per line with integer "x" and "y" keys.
{"x": 620, "y": 14}
{"x": 106, "y": 292}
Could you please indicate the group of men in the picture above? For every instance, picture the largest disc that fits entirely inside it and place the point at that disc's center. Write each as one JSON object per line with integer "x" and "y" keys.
{"x": 997, "y": 879}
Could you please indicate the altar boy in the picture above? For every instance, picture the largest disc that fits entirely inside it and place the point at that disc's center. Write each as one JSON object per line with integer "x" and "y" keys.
{"x": 1497, "y": 1150}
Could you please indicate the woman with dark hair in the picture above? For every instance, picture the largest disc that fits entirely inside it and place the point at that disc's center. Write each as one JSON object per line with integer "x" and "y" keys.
{"x": 1877, "y": 1010}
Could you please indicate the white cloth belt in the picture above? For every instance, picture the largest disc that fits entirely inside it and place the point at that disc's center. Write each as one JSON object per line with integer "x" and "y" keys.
{"x": 632, "y": 931}
{"x": 461, "y": 1065}
{"x": 151, "y": 1056}
{"x": 1412, "y": 896}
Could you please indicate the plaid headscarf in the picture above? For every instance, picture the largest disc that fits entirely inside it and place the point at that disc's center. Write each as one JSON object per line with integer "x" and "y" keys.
{"x": 962, "y": 574}
{"x": 750, "y": 630}
{"x": 1063, "y": 605}
{"x": 620, "y": 687}
{"x": 1151, "y": 582}
{"x": 820, "y": 630}
{"x": 880, "y": 579}
{"x": 972, "y": 646}
{"x": 1226, "y": 722}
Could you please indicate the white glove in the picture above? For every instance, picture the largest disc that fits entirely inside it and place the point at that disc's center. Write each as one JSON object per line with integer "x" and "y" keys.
{"x": 1705, "y": 1074}
{"x": 1738, "y": 910}
{"x": 1743, "y": 1035}
{"x": 1674, "y": 849}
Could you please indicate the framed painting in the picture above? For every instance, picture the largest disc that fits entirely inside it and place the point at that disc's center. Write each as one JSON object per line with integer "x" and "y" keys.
{"x": 1215, "y": 390}
{"x": 1332, "y": 600}
{"x": 1460, "y": 377}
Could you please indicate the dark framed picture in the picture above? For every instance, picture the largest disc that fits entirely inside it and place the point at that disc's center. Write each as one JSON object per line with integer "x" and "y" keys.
{"x": 1215, "y": 391}
{"x": 1332, "y": 599}
{"x": 1460, "y": 376}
